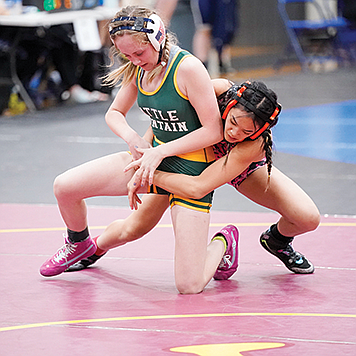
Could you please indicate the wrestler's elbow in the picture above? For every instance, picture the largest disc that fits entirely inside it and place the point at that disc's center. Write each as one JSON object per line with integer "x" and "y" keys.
{"x": 217, "y": 136}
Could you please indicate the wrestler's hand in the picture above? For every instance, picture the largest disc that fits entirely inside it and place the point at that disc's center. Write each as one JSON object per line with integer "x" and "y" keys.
{"x": 132, "y": 188}
{"x": 135, "y": 145}
{"x": 147, "y": 164}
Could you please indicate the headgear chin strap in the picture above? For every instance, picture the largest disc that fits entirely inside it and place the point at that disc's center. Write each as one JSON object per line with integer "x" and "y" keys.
{"x": 235, "y": 93}
{"x": 154, "y": 29}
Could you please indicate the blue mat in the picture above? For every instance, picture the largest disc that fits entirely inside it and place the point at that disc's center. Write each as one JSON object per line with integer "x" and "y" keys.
{"x": 324, "y": 131}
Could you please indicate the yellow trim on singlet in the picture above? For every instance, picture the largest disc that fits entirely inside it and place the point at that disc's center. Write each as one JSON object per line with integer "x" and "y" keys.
{"x": 152, "y": 189}
{"x": 201, "y": 155}
{"x": 205, "y": 207}
{"x": 193, "y": 201}
{"x": 175, "y": 78}
{"x": 174, "y": 199}
{"x": 162, "y": 82}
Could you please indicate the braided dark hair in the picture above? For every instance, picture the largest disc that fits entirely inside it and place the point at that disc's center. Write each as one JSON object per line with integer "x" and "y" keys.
{"x": 267, "y": 146}
{"x": 264, "y": 100}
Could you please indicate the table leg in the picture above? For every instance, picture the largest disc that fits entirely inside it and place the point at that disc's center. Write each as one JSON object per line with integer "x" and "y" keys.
{"x": 15, "y": 78}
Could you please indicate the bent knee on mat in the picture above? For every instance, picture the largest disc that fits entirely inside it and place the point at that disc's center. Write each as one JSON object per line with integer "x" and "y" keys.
{"x": 185, "y": 286}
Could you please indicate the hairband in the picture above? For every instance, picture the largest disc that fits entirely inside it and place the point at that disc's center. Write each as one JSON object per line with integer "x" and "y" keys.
{"x": 154, "y": 29}
{"x": 139, "y": 22}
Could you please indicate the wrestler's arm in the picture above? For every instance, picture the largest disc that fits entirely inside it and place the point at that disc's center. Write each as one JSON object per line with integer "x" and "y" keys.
{"x": 116, "y": 118}
{"x": 148, "y": 136}
{"x": 217, "y": 174}
{"x": 220, "y": 172}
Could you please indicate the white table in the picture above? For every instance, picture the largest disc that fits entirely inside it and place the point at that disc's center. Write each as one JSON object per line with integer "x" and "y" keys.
{"x": 44, "y": 18}
{"x": 85, "y": 27}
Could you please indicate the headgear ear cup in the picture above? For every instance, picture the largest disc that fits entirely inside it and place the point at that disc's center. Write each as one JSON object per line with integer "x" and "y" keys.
{"x": 158, "y": 36}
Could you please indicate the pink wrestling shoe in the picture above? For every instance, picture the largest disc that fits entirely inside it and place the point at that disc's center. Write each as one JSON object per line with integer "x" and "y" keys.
{"x": 67, "y": 256}
{"x": 229, "y": 262}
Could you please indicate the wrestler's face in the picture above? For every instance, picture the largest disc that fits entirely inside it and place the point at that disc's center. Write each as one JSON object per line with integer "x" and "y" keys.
{"x": 239, "y": 125}
{"x": 139, "y": 53}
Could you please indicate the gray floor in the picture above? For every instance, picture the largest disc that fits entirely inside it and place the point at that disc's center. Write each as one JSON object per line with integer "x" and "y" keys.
{"x": 36, "y": 147}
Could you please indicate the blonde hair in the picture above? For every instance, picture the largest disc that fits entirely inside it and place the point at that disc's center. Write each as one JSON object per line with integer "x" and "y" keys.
{"x": 127, "y": 70}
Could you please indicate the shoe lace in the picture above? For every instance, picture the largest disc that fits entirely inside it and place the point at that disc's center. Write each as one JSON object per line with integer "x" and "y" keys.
{"x": 292, "y": 254}
{"x": 64, "y": 251}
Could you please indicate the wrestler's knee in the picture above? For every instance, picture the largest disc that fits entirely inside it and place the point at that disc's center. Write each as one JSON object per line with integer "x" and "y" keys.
{"x": 189, "y": 285}
{"x": 312, "y": 220}
{"x": 62, "y": 187}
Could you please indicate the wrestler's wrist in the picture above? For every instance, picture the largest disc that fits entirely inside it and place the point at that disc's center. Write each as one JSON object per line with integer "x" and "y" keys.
{"x": 161, "y": 151}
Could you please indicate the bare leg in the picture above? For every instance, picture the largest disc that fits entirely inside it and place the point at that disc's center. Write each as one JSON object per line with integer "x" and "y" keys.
{"x": 139, "y": 223}
{"x": 195, "y": 264}
{"x": 100, "y": 177}
{"x": 119, "y": 232}
{"x": 298, "y": 215}
{"x": 298, "y": 212}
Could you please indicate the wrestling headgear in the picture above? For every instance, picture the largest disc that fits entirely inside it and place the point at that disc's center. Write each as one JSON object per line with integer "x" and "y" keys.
{"x": 235, "y": 95}
{"x": 154, "y": 29}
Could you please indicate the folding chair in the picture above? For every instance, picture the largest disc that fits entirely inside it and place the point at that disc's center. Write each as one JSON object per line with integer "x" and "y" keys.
{"x": 302, "y": 31}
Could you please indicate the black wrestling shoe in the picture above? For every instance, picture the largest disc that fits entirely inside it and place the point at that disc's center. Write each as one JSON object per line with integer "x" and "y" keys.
{"x": 292, "y": 259}
{"x": 85, "y": 263}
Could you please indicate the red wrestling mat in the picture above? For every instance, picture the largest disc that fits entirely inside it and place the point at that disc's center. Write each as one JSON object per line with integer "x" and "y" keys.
{"x": 127, "y": 304}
